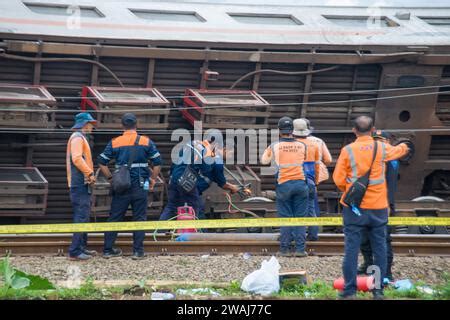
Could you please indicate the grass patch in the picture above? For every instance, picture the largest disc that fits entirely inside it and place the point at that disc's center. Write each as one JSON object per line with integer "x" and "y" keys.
{"x": 15, "y": 284}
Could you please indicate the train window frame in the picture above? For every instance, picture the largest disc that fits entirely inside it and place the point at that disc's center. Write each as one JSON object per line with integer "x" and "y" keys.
{"x": 427, "y": 19}
{"x": 65, "y": 7}
{"x": 390, "y": 23}
{"x": 295, "y": 20}
{"x": 200, "y": 19}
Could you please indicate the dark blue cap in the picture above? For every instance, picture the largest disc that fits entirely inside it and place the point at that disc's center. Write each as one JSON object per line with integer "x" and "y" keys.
{"x": 382, "y": 134}
{"x": 286, "y": 125}
{"x": 129, "y": 120}
{"x": 81, "y": 119}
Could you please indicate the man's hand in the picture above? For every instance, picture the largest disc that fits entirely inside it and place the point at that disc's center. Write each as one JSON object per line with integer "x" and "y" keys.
{"x": 91, "y": 179}
{"x": 247, "y": 192}
{"x": 152, "y": 184}
{"x": 233, "y": 188}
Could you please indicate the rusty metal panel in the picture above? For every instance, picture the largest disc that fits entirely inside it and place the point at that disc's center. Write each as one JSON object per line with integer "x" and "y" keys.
{"x": 109, "y": 104}
{"x": 23, "y": 192}
{"x": 409, "y": 113}
{"x": 26, "y": 106}
{"x": 212, "y": 108}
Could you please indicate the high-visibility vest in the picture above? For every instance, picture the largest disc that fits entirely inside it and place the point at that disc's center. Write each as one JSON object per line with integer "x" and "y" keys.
{"x": 324, "y": 153}
{"x": 75, "y": 174}
{"x": 289, "y": 157}
{"x": 356, "y": 156}
{"x": 311, "y": 164}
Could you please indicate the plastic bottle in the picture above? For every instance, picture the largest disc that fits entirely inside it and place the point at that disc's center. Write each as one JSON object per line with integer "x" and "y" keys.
{"x": 146, "y": 185}
{"x": 355, "y": 210}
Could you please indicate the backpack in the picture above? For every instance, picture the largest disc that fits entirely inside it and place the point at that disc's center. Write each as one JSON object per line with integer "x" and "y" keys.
{"x": 121, "y": 178}
{"x": 188, "y": 180}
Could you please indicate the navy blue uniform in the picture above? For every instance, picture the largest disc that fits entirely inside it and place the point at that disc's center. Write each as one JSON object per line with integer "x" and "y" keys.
{"x": 208, "y": 169}
{"x": 392, "y": 170}
{"x": 119, "y": 149}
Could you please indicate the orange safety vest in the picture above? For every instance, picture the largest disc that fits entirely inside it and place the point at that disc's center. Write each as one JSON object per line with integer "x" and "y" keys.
{"x": 80, "y": 158}
{"x": 355, "y": 160}
{"x": 325, "y": 156}
{"x": 289, "y": 156}
{"x": 312, "y": 160}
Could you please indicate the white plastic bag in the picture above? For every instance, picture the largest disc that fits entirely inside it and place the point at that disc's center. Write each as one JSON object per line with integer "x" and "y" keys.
{"x": 264, "y": 281}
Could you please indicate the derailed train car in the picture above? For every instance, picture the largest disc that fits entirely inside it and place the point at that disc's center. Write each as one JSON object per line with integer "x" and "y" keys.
{"x": 327, "y": 63}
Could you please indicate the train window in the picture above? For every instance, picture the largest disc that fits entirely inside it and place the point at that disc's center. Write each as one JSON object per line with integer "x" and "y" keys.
{"x": 176, "y": 16}
{"x": 269, "y": 19}
{"x": 437, "y": 21}
{"x": 361, "y": 21}
{"x": 64, "y": 10}
{"x": 404, "y": 116}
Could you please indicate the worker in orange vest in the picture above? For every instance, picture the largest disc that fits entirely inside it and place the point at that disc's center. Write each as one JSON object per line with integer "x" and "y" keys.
{"x": 311, "y": 165}
{"x": 80, "y": 176}
{"x": 324, "y": 161}
{"x": 357, "y": 160}
{"x": 289, "y": 156}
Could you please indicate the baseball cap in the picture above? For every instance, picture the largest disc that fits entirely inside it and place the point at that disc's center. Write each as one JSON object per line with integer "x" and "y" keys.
{"x": 129, "y": 119}
{"x": 285, "y": 124}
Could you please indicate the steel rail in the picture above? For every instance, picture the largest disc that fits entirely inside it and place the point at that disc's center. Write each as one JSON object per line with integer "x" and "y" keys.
{"x": 328, "y": 244}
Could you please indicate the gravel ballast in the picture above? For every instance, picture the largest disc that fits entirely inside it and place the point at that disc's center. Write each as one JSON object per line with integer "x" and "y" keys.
{"x": 215, "y": 268}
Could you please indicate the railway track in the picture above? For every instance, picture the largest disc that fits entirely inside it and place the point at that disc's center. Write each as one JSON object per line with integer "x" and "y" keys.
{"x": 328, "y": 244}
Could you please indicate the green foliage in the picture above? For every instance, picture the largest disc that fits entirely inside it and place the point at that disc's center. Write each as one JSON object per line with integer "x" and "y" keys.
{"x": 235, "y": 286}
{"x": 36, "y": 282}
{"x": 11, "y": 278}
{"x": 412, "y": 293}
{"x": 317, "y": 290}
{"x": 443, "y": 290}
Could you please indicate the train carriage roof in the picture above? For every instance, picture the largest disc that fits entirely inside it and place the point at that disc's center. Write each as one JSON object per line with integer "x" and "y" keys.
{"x": 284, "y": 22}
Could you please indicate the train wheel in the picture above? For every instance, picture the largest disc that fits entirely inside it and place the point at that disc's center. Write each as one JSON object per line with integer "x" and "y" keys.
{"x": 427, "y": 213}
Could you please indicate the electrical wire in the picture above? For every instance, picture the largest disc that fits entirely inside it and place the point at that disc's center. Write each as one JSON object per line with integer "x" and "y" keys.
{"x": 169, "y": 131}
{"x": 40, "y": 59}
{"x": 232, "y": 106}
{"x": 237, "y": 210}
{"x": 281, "y": 93}
{"x": 173, "y": 218}
{"x": 282, "y": 72}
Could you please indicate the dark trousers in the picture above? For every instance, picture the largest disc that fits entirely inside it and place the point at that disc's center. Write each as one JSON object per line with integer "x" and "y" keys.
{"x": 366, "y": 251}
{"x": 178, "y": 198}
{"x": 81, "y": 204}
{"x": 374, "y": 223}
{"x": 292, "y": 202}
{"x": 137, "y": 197}
{"x": 313, "y": 211}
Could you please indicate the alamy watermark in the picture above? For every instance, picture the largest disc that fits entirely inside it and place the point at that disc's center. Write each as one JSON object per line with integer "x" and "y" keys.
{"x": 232, "y": 146}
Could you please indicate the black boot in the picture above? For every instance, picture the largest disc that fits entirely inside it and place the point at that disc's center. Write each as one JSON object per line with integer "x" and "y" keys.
{"x": 362, "y": 269}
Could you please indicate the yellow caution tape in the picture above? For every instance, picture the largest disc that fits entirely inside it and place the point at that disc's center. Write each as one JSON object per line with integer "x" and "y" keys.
{"x": 206, "y": 224}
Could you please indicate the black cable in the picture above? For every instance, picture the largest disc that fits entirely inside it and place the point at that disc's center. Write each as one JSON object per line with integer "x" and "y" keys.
{"x": 229, "y": 106}
{"x": 282, "y": 72}
{"x": 39, "y": 59}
